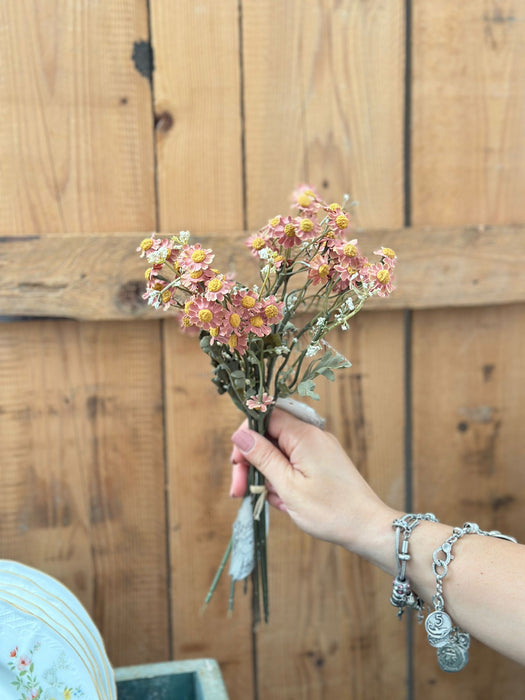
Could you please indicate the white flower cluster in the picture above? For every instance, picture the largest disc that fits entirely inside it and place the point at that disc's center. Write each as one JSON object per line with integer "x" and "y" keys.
{"x": 313, "y": 349}
{"x": 159, "y": 256}
{"x": 181, "y": 240}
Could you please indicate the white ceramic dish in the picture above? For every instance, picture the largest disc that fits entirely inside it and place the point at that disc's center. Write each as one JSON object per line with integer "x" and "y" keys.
{"x": 37, "y": 662}
{"x": 60, "y": 606}
{"x": 59, "y": 612}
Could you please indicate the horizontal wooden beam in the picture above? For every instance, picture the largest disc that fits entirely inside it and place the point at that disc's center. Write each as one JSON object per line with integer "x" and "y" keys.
{"x": 100, "y": 276}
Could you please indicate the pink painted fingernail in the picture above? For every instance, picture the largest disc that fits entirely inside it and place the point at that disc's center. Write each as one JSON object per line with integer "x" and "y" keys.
{"x": 244, "y": 440}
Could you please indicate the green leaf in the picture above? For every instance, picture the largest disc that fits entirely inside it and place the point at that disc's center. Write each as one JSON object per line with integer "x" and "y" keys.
{"x": 307, "y": 388}
{"x": 327, "y": 372}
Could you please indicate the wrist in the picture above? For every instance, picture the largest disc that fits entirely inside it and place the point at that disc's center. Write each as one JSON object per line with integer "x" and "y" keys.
{"x": 375, "y": 538}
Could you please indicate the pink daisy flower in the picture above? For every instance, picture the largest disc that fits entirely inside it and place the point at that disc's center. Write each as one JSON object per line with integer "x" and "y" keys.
{"x": 290, "y": 234}
{"x": 320, "y": 270}
{"x": 196, "y": 280}
{"x": 148, "y": 244}
{"x": 217, "y": 287}
{"x": 256, "y": 242}
{"x": 381, "y": 278}
{"x": 272, "y": 310}
{"x": 387, "y": 255}
{"x": 348, "y": 253}
{"x": 338, "y": 220}
{"x": 306, "y": 199}
{"x": 256, "y": 404}
{"x": 258, "y": 325}
{"x": 246, "y": 303}
{"x": 194, "y": 257}
{"x": 273, "y": 228}
{"x": 308, "y": 227}
{"x": 237, "y": 343}
{"x": 232, "y": 322}
{"x": 205, "y": 314}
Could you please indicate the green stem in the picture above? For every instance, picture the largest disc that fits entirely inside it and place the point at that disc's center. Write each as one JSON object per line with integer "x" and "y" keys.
{"x": 218, "y": 574}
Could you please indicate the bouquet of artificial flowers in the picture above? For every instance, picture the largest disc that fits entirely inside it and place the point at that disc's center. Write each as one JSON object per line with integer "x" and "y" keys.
{"x": 267, "y": 342}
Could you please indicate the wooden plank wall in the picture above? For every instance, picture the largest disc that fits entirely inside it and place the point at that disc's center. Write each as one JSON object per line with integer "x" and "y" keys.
{"x": 115, "y": 447}
{"x": 468, "y": 164}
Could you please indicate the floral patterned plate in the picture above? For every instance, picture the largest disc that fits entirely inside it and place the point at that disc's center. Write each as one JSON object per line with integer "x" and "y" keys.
{"x": 16, "y": 581}
{"x": 55, "y": 621}
{"x": 37, "y": 663}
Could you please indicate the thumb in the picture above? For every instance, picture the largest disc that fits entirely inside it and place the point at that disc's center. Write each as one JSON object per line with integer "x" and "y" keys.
{"x": 263, "y": 454}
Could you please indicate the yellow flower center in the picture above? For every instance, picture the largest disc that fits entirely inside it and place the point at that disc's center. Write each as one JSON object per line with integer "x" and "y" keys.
{"x": 198, "y": 256}
{"x": 275, "y": 221}
{"x": 306, "y": 225}
{"x": 334, "y": 206}
{"x": 388, "y": 252}
{"x": 166, "y": 296}
{"x": 214, "y": 332}
{"x": 323, "y": 270}
{"x": 187, "y": 305}
{"x": 289, "y": 230}
{"x": 205, "y": 315}
{"x": 214, "y": 285}
{"x": 257, "y": 322}
{"x": 248, "y": 302}
{"x": 196, "y": 274}
{"x": 271, "y": 311}
{"x": 146, "y": 243}
{"x": 158, "y": 286}
{"x": 383, "y": 276}
{"x": 186, "y": 321}
{"x": 258, "y": 243}
{"x": 303, "y": 200}
{"x": 341, "y": 221}
{"x": 351, "y": 270}
{"x": 148, "y": 273}
{"x": 235, "y": 320}
{"x": 232, "y": 341}
{"x": 350, "y": 250}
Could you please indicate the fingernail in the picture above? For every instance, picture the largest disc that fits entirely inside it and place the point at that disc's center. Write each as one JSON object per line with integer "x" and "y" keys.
{"x": 244, "y": 440}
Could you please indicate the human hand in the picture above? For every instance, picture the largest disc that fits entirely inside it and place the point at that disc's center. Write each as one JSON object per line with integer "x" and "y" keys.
{"x": 309, "y": 476}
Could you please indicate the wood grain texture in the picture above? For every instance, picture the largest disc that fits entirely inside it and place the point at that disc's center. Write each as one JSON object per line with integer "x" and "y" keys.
{"x": 469, "y": 378}
{"x": 82, "y": 470}
{"x": 199, "y": 423}
{"x": 318, "y": 76}
{"x": 100, "y": 276}
{"x": 198, "y": 114}
{"x": 332, "y": 631}
{"x": 468, "y": 156}
{"x": 82, "y": 497}
{"x": 200, "y": 187}
{"x": 468, "y": 374}
{"x": 75, "y": 118}
{"x": 324, "y": 104}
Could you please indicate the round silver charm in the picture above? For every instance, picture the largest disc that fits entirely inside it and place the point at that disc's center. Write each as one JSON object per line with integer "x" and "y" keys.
{"x": 438, "y": 626}
{"x": 463, "y": 639}
{"x": 452, "y": 657}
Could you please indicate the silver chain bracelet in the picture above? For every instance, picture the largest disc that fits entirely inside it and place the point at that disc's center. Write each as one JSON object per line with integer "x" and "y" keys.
{"x": 402, "y": 594}
{"x": 451, "y": 643}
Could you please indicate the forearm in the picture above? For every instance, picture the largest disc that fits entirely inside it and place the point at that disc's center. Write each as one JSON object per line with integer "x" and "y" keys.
{"x": 483, "y": 586}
